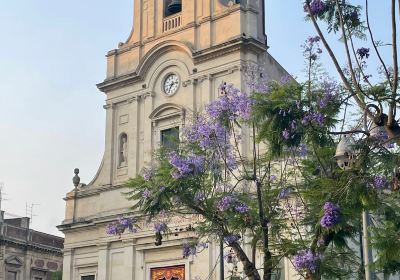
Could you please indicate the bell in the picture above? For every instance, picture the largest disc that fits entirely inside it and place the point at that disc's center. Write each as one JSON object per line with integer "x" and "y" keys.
{"x": 345, "y": 155}
{"x": 175, "y": 6}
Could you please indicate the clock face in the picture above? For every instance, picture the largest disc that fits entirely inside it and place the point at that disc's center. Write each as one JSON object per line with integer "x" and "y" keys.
{"x": 171, "y": 84}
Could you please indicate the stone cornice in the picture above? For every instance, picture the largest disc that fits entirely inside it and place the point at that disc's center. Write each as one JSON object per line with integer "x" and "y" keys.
{"x": 30, "y": 246}
{"x": 237, "y": 44}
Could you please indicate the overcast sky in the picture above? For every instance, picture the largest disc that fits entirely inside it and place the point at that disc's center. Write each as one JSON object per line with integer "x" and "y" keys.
{"x": 51, "y": 115}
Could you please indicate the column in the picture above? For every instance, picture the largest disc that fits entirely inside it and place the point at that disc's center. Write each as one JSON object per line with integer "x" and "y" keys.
{"x": 103, "y": 267}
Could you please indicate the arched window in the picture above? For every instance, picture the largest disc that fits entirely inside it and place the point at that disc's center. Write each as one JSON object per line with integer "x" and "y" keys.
{"x": 167, "y": 122}
{"x": 123, "y": 150}
{"x": 172, "y": 7}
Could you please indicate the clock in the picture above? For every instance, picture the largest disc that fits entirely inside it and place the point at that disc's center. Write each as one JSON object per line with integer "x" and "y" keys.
{"x": 171, "y": 84}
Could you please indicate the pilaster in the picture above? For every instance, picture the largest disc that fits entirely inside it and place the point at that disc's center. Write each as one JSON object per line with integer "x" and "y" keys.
{"x": 134, "y": 136}
{"x": 68, "y": 265}
{"x": 109, "y": 144}
{"x": 139, "y": 265}
{"x": 103, "y": 261}
{"x": 130, "y": 258}
{"x": 148, "y": 127}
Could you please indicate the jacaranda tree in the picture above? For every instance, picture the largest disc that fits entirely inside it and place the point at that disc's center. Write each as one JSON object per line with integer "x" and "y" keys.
{"x": 259, "y": 167}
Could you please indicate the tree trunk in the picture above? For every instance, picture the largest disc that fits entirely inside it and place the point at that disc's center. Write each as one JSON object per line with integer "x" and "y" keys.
{"x": 248, "y": 267}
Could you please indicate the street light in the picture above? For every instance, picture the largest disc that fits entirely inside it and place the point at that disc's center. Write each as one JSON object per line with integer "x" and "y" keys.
{"x": 345, "y": 154}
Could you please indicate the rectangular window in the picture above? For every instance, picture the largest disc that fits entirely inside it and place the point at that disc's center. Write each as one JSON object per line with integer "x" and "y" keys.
{"x": 170, "y": 138}
{"x": 11, "y": 275}
{"x": 172, "y": 272}
{"x": 88, "y": 277}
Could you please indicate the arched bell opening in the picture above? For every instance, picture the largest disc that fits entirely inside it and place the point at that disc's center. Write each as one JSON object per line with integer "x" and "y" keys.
{"x": 172, "y": 7}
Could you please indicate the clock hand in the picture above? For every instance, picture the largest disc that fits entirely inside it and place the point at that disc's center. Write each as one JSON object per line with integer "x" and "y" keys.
{"x": 170, "y": 86}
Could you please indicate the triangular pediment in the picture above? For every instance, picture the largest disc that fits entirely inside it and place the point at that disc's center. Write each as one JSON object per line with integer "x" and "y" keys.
{"x": 14, "y": 260}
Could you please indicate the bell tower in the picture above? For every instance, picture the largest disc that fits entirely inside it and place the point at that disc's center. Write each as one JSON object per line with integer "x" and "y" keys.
{"x": 178, "y": 54}
{"x": 200, "y": 24}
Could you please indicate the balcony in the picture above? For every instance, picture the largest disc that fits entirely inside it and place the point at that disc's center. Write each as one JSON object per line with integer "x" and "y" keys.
{"x": 172, "y": 22}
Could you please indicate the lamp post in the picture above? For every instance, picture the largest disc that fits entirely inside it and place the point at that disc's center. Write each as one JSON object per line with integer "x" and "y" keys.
{"x": 345, "y": 157}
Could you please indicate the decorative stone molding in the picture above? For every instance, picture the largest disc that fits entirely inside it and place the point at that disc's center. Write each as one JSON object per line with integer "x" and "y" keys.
{"x": 187, "y": 83}
{"x": 14, "y": 261}
{"x": 233, "y": 69}
{"x": 109, "y": 106}
{"x": 132, "y": 99}
{"x": 147, "y": 94}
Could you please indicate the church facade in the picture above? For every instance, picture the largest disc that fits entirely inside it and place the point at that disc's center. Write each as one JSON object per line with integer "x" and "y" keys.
{"x": 175, "y": 59}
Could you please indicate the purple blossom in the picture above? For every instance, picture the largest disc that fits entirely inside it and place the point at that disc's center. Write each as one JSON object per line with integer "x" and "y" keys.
{"x": 317, "y": 7}
{"x": 232, "y": 104}
{"x": 316, "y": 118}
{"x": 206, "y": 133}
{"x": 119, "y": 227}
{"x": 286, "y": 134}
{"x": 202, "y": 245}
{"x": 363, "y": 53}
{"x": 193, "y": 164}
{"x": 188, "y": 250}
{"x": 242, "y": 208}
{"x": 160, "y": 227}
{"x": 148, "y": 173}
{"x": 114, "y": 229}
{"x": 272, "y": 178}
{"x": 199, "y": 196}
{"x": 331, "y": 216}
{"x": 284, "y": 193}
{"x": 146, "y": 193}
{"x": 230, "y": 160}
{"x": 305, "y": 260}
{"x": 226, "y": 202}
{"x": 302, "y": 150}
{"x": 230, "y": 257}
{"x": 127, "y": 223}
{"x": 230, "y": 202}
{"x": 285, "y": 79}
{"x": 313, "y": 40}
{"x": 380, "y": 182}
{"x": 327, "y": 98}
{"x": 232, "y": 238}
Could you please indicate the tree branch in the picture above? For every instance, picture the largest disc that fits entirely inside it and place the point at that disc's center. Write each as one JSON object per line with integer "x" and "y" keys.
{"x": 350, "y": 63}
{"x": 392, "y": 106}
{"x": 333, "y": 57}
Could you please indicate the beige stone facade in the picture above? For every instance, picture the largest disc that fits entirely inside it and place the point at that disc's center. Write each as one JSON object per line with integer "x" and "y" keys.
{"x": 208, "y": 42}
{"x": 26, "y": 254}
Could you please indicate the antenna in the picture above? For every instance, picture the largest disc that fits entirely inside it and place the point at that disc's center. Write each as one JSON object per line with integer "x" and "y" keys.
{"x": 29, "y": 210}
